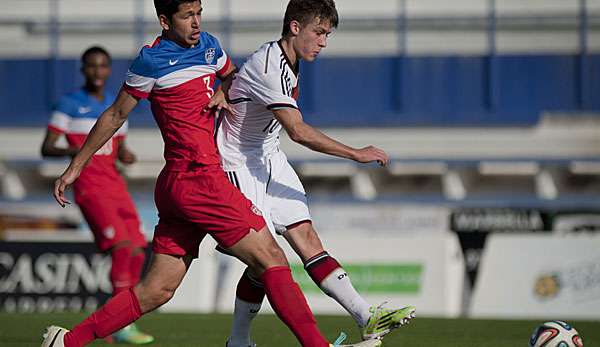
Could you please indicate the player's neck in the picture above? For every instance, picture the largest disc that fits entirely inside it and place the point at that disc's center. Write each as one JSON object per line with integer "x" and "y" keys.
{"x": 288, "y": 49}
{"x": 97, "y": 93}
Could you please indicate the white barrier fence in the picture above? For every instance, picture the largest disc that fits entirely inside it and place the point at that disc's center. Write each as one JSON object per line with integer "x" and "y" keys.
{"x": 539, "y": 276}
{"x": 426, "y": 271}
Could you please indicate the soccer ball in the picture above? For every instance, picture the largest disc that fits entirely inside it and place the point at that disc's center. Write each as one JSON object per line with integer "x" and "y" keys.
{"x": 555, "y": 334}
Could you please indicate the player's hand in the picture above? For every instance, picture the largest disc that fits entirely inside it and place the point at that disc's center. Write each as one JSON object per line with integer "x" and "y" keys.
{"x": 61, "y": 184}
{"x": 126, "y": 156}
{"x": 218, "y": 102}
{"x": 371, "y": 153}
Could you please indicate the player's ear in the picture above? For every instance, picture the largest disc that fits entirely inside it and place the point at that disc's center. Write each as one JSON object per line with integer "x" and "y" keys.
{"x": 295, "y": 27}
{"x": 165, "y": 23}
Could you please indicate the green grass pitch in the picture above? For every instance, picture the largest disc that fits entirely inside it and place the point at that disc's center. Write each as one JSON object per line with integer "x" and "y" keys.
{"x": 180, "y": 330}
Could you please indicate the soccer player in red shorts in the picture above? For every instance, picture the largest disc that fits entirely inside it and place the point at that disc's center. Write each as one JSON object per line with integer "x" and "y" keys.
{"x": 193, "y": 194}
{"x": 100, "y": 191}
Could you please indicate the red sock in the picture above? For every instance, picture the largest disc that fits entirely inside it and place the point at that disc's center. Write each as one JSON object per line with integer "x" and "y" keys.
{"x": 289, "y": 303}
{"x": 136, "y": 263}
{"x": 120, "y": 277}
{"x": 118, "y": 312}
{"x": 320, "y": 266}
{"x": 250, "y": 289}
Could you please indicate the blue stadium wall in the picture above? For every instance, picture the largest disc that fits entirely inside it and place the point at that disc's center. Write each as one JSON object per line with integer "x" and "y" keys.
{"x": 504, "y": 90}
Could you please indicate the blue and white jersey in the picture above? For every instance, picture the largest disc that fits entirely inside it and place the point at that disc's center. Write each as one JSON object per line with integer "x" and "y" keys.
{"x": 74, "y": 116}
{"x": 77, "y": 112}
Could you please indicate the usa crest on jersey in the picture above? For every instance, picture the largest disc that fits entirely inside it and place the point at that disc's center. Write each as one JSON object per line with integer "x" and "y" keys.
{"x": 209, "y": 55}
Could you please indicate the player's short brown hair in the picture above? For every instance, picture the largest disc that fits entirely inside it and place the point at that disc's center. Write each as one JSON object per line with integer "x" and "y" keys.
{"x": 169, "y": 7}
{"x": 305, "y": 11}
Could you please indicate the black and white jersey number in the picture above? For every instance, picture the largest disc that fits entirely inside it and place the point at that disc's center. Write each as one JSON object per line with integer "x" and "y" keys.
{"x": 272, "y": 126}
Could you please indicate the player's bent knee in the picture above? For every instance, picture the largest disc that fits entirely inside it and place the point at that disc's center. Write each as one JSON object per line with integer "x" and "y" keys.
{"x": 164, "y": 296}
{"x": 305, "y": 241}
{"x": 151, "y": 296}
{"x": 275, "y": 256}
{"x": 266, "y": 256}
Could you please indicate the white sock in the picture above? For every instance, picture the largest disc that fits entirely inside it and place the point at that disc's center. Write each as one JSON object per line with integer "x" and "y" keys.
{"x": 338, "y": 286}
{"x": 243, "y": 314}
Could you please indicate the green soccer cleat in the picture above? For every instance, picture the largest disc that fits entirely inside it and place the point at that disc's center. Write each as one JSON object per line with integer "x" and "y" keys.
{"x": 132, "y": 335}
{"x": 383, "y": 320}
{"x": 368, "y": 343}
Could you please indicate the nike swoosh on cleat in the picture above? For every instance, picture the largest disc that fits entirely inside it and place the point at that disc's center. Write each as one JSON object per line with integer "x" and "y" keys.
{"x": 389, "y": 315}
{"x": 55, "y": 336}
{"x": 383, "y": 323}
{"x": 173, "y": 62}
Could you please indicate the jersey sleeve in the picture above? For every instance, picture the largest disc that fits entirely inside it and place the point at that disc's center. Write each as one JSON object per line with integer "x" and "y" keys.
{"x": 223, "y": 61}
{"x": 271, "y": 88}
{"x": 223, "y": 64}
{"x": 61, "y": 116}
{"x": 141, "y": 76}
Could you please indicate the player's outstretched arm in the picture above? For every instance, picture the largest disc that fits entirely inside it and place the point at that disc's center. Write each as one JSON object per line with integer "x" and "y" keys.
{"x": 302, "y": 133}
{"x": 50, "y": 149}
{"x": 107, "y": 124}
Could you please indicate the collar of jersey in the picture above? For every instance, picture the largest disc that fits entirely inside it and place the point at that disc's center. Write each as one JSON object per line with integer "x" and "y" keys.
{"x": 89, "y": 97}
{"x": 174, "y": 45}
{"x": 294, "y": 68}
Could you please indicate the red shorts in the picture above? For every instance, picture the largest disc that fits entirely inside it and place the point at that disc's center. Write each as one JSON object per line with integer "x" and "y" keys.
{"x": 112, "y": 219}
{"x": 196, "y": 202}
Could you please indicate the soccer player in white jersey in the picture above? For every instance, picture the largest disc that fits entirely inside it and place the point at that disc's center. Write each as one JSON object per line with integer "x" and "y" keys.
{"x": 263, "y": 101}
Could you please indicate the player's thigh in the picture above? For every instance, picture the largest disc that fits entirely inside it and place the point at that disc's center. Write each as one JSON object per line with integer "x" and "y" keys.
{"x": 206, "y": 199}
{"x": 104, "y": 221}
{"x": 252, "y": 183}
{"x": 286, "y": 197}
{"x": 176, "y": 237}
{"x": 174, "y": 234}
{"x": 164, "y": 276}
{"x": 166, "y": 271}
{"x": 259, "y": 251}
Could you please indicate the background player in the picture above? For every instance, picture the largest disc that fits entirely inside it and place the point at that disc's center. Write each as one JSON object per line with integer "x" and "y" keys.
{"x": 263, "y": 98}
{"x": 100, "y": 191}
{"x": 193, "y": 195}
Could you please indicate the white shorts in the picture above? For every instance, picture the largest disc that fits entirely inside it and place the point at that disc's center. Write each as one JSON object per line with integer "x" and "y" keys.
{"x": 276, "y": 190}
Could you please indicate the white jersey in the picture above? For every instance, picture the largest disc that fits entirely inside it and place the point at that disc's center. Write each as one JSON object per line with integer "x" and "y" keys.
{"x": 249, "y": 136}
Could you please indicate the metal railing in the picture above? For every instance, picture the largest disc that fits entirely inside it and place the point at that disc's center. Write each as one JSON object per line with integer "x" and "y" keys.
{"x": 227, "y": 25}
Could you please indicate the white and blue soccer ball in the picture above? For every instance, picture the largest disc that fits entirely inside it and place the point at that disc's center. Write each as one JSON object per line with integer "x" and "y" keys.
{"x": 555, "y": 334}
